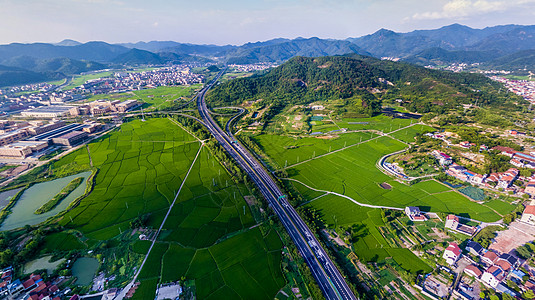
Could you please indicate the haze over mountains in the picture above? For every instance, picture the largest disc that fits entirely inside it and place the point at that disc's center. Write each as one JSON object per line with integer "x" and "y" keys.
{"x": 507, "y": 47}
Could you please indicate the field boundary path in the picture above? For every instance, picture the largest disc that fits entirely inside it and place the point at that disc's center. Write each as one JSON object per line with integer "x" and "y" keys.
{"x": 123, "y": 292}
{"x": 379, "y": 135}
{"x": 340, "y": 195}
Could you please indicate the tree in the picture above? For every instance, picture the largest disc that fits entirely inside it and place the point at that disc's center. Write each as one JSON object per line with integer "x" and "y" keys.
{"x": 523, "y": 252}
{"x": 528, "y": 294}
{"x": 6, "y": 257}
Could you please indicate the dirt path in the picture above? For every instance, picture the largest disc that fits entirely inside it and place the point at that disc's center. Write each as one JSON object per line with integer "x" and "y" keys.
{"x": 341, "y": 195}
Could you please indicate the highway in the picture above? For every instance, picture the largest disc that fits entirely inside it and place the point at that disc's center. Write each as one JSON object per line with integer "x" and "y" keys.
{"x": 329, "y": 279}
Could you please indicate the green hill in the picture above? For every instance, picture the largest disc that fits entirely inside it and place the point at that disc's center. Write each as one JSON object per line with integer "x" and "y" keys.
{"x": 15, "y": 76}
{"x": 522, "y": 61}
{"x": 363, "y": 82}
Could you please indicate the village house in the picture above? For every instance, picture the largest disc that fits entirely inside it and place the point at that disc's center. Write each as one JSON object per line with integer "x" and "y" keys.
{"x": 528, "y": 216}
{"x": 489, "y": 258}
{"x": 473, "y": 271}
{"x": 493, "y": 276}
{"x": 475, "y": 248}
{"x": 452, "y": 222}
{"x": 414, "y": 213}
{"x": 452, "y": 253}
{"x": 443, "y": 159}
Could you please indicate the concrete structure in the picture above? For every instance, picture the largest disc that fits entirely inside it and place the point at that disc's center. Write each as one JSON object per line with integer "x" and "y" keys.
{"x": 473, "y": 271}
{"x": 493, "y": 276}
{"x": 55, "y": 111}
{"x": 452, "y": 222}
{"x": 12, "y": 136}
{"x": 70, "y": 139}
{"x": 21, "y": 150}
{"x": 126, "y": 105}
{"x": 528, "y": 216}
{"x": 414, "y": 213}
{"x": 452, "y": 253}
{"x": 45, "y": 128}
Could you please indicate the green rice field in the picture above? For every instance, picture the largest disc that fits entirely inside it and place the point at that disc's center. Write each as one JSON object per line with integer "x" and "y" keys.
{"x": 141, "y": 166}
{"x": 209, "y": 236}
{"x": 352, "y": 172}
{"x": 370, "y": 244}
{"x": 286, "y": 150}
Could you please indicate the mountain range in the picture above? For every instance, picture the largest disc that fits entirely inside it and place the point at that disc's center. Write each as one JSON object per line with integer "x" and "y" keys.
{"x": 505, "y": 47}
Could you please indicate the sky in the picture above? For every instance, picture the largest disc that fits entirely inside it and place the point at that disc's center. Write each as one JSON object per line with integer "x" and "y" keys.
{"x": 240, "y": 21}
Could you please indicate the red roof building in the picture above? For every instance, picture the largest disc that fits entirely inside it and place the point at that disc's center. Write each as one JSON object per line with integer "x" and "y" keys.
{"x": 473, "y": 271}
{"x": 489, "y": 257}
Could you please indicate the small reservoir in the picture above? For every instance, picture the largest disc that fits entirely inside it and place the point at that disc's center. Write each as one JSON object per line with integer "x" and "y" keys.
{"x": 6, "y": 196}
{"x": 22, "y": 213}
{"x": 42, "y": 263}
{"x": 84, "y": 269}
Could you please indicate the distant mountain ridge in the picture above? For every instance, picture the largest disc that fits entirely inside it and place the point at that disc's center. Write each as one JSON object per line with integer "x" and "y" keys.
{"x": 454, "y": 43}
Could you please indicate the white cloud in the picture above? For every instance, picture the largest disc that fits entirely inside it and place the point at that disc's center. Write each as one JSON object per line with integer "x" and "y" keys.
{"x": 465, "y": 8}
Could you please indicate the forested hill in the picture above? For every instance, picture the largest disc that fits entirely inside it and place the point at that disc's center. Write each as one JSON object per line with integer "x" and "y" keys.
{"x": 363, "y": 82}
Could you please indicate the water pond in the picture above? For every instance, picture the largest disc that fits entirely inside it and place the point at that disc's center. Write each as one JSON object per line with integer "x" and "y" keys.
{"x": 22, "y": 213}
{"x": 84, "y": 269}
{"x": 6, "y": 196}
{"x": 42, "y": 263}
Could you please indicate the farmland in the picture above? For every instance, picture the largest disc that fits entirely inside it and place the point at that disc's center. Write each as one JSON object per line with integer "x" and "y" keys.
{"x": 81, "y": 79}
{"x": 165, "y": 96}
{"x": 368, "y": 242}
{"x": 286, "y": 150}
{"x": 140, "y": 168}
{"x": 156, "y": 98}
{"x": 352, "y": 171}
{"x": 209, "y": 237}
{"x": 363, "y": 182}
{"x": 206, "y": 239}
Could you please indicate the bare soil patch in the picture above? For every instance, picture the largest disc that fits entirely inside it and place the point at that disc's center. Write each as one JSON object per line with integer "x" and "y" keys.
{"x": 325, "y": 137}
{"x": 516, "y": 235}
{"x": 385, "y": 186}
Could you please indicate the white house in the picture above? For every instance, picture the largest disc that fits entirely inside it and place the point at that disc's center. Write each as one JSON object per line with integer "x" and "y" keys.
{"x": 493, "y": 276}
{"x": 528, "y": 216}
{"x": 452, "y": 222}
{"x": 414, "y": 213}
{"x": 452, "y": 253}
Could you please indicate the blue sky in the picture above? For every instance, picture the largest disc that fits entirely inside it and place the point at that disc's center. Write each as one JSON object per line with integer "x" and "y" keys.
{"x": 241, "y": 21}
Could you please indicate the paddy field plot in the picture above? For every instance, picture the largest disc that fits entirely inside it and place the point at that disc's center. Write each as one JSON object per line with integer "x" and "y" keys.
{"x": 382, "y": 123}
{"x": 246, "y": 266}
{"x": 164, "y": 96}
{"x": 369, "y": 244}
{"x": 209, "y": 237}
{"x": 140, "y": 167}
{"x": 353, "y": 172}
{"x": 286, "y": 150}
{"x": 407, "y": 135}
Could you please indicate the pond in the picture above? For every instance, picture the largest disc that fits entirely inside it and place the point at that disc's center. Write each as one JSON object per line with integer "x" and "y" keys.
{"x": 84, "y": 270}
{"x": 42, "y": 263}
{"x": 6, "y": 196}
{"x": 22, "y": 213}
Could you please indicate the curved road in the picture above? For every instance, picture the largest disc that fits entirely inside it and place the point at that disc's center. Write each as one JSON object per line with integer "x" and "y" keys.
{"x": 329, "y": 279}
